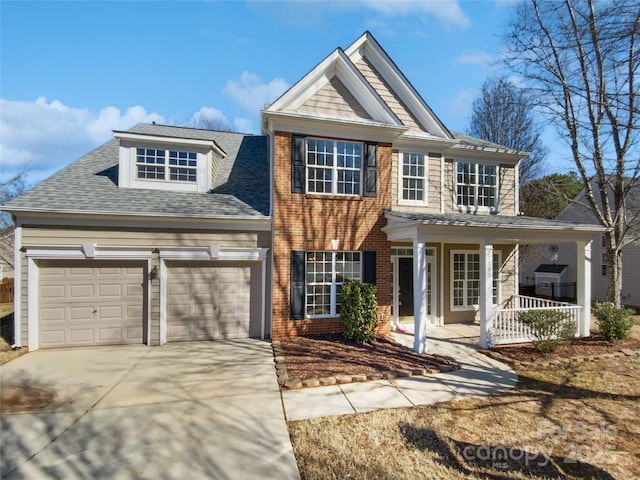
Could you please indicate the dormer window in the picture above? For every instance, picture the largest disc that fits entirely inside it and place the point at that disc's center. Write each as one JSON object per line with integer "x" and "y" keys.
{"x": 167, "y": 163}
{"x": 172, "y": 165}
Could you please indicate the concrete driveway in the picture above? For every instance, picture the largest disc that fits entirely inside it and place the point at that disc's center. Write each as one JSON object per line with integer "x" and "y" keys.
{"x": 183, "y": 410}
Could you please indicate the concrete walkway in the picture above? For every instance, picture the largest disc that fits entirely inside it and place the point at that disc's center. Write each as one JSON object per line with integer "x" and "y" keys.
{"x": 184, "y": 410}
{"x": 479, "y": 376}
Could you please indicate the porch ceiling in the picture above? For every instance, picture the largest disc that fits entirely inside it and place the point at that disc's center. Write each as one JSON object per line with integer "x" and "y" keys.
{"x": 469, "y": 228}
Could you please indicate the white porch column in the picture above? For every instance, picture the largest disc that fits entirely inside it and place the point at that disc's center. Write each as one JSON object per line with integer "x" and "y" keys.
{"x": 420, "y": 294}
{"x": 486, "y": 292}
{"x": 583, "y": 286}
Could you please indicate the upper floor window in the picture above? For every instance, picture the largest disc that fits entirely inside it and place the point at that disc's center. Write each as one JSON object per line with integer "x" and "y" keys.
{"x": 477, "y": 185}
{"x": 413, "y": 178}
{"x": 172, "y": 165}
{"x": 334, "y": 167}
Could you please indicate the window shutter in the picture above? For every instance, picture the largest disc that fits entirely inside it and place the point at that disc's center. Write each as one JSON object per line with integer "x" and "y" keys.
{"x": 369, "y": 267}
{"x": 297, "y": 284}
{"x": 370, "y": 169}
{"x": 298, "y": 150}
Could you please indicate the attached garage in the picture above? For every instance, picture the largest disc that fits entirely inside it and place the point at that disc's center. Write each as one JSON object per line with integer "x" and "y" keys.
{"x": 86, "y": 302}
{"x": 213, "y": 300}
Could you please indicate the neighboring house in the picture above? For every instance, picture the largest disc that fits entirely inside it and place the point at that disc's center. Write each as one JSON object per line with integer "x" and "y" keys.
{"x": 167, "y": 234}
{"x": 369, "y": 185}
{"x": 159, "y": 235}
{"x": 564, "y": 253}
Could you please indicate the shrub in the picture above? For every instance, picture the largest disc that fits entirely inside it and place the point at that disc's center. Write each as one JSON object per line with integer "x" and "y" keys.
{"x": 359, "y": 312}
{"x": 549, "y": 328}
{"x": 614, "y": 323}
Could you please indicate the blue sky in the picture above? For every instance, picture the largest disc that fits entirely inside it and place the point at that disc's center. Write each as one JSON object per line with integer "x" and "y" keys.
{"x": 71, "y": 72}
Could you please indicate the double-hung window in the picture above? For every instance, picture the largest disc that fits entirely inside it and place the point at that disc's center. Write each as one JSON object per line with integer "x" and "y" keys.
{"x": 171, "y": 165}
{"x": 477, "y": 185}
{"x": 413, "y": 178}
{"x": 465, "y": 279}
{"x": 326, "y": 272}
{"x": 334, "y": 167}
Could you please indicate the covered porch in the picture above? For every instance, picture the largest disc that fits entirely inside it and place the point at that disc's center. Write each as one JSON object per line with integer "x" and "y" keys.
{"x": 441, "y": 293}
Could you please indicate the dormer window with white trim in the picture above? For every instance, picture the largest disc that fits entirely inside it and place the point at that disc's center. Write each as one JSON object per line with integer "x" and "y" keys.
{"x": 476, "y": 186}
{"x": 171, "y": 165}
{"x": 166, "y": 163}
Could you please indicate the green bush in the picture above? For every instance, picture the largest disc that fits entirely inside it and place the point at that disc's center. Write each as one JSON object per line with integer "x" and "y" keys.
{"x": 359, "y": 312}
{"x": 549, "y": 328}
{"x": 614, "y": 323}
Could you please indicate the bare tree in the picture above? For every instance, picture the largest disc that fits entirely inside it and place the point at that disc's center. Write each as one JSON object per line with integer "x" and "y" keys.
{"x": 9, "y": 190}
{"x": 502, "y": 114}
{"x": 580, "y": 58}
{"x": 211, "y": 123}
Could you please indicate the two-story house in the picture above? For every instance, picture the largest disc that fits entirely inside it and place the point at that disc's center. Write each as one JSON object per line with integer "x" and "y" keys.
{"x": 369, "y": 185}
{"x": 169, "y": 234}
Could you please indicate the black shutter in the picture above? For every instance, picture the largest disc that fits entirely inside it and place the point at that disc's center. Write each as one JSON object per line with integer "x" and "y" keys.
{"x": 370, "y": 170}
{"x": 298, "y": 154}
{"x": 369, "y": 267}
{"x": 297, "y": 284}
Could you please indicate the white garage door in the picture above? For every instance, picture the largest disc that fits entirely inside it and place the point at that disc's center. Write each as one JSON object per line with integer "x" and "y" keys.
{"x": 206, "y": 302}
{"x": 91, "y": 303}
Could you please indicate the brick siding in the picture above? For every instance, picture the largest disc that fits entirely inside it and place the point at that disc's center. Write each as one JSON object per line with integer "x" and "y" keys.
{"x": 310, "y": 222}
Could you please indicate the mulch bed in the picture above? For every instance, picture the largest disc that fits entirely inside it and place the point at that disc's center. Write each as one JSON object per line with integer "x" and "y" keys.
{"x": 330, "y": 355}
{"x": 577, "y": 347}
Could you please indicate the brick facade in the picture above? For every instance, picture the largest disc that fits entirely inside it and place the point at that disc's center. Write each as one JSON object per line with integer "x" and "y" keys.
{"x": 310, "y": 222}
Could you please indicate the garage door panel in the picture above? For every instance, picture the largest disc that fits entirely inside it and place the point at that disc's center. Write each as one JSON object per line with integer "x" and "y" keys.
{"x": 81, "y": 336}
{"x": 110, "y": 290}
{"x": 81, "y": 291}
{"x": 209, "y": 302}
{"x": 52, "y": 292}
{"x": 80, "y": 313}
{"x": 91, "y": 303}
{"x": 56, "y": 314}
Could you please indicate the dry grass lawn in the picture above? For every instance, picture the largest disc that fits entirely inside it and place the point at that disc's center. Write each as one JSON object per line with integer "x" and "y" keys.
{"x": 576, "y": 422}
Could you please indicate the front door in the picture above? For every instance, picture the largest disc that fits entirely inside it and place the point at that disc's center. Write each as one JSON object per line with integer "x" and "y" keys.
{"x": 403, "y": 288}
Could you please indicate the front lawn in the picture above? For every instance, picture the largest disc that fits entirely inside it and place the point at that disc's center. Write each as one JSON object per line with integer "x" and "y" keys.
{"x": 571, "y": 422}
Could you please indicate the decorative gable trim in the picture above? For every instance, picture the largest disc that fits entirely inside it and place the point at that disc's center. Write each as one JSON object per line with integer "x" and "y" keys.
{"x": 367, "y": 47}
{"x": 337, "y": 64}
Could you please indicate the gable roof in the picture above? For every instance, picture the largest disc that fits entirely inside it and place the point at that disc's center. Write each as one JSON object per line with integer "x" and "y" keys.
{"x": 367, "y": 47}
{"x": 551, "y": 268}
{"x": 90, "y": 185}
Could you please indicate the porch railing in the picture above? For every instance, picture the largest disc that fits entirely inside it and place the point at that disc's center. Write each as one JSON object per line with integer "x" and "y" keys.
{"x": 508, "y": 329}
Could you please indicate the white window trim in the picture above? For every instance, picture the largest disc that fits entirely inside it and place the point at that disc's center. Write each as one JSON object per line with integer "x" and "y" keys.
{"x": 168, "y": 167}
{"x": 476, "y": 208}
{"x": 333, "y": 291}
{"x": 474, "y": 307}
{"x": 128, "y": 166}
{"x": 401, "y": 200}
{"x": 334, "y": 168}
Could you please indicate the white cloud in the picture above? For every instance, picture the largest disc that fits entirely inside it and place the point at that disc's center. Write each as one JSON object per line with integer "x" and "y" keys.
{"x": 41, "y": 137}
{"x": 208, "y": 117}
{"x": 250, "y": 93}
{"x": 459, "y": 108}
{"x": 243, "y": 125}
{"x": 449, "y": 12}
{"x": 476, "y": 58}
